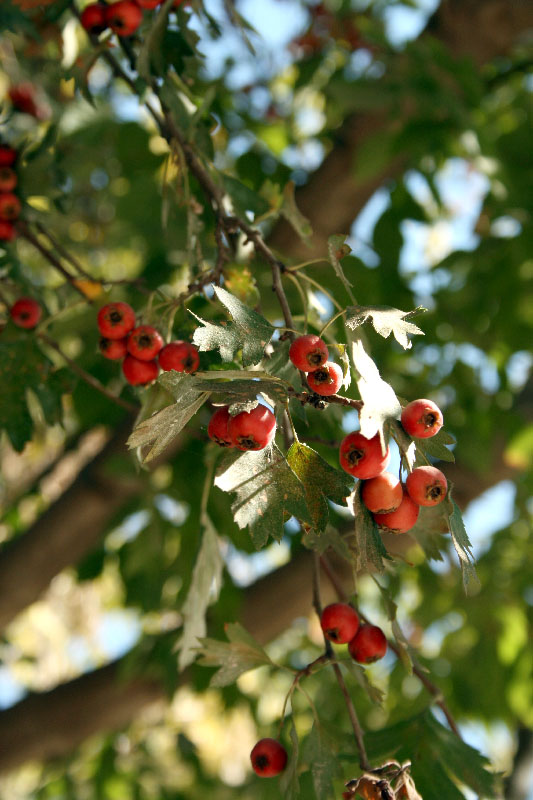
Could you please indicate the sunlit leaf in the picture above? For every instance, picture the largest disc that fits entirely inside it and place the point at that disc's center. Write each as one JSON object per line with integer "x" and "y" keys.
{"x": 386, "y": 320}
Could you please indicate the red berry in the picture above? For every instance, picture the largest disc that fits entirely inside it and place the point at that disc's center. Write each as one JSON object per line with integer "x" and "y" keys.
{"x": 123, "y": 17}
{"x": 25, "y": 312}
{"x": 93, "y": 18}
{"x": 7, "y": 231}
{"x": 308, "y": 352}
{"x": 8, "y": 179}
{"x": 148, "y": 3}
{"x": 116, "y": 320}
{"x": 139, "y": 372}
{"x": 22, "y": 97}
{"x": 422, "y": 418}
{"x": 325, "y": 380}
{"x": 144, "y": 342}
{"x": 362, "y": 457}
{"x": 9, "y": 206}
{"x": 8, "y": 156}
{"x": 114, "y": 349}
{"x": 217, "y": 430}
{"x": 181, "y": 356}
{"x": 340, "y": 622}
{"x": 401, "y": 520}
{"x": 369, "y": 644}
{"x": 268, "y": 758}
{"x": 252, "y": 430}
{"x": 382, "y": 494}
{"x": 427, "y": 486}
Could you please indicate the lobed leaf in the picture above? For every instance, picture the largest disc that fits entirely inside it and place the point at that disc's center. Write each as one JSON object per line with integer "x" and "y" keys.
{"x": 386, "y": 320}
{"x": 369, "y": 544}
{"x": 319, "y": 752}
{"x": 380, "y": 401}
{"x": 240, "y": 654}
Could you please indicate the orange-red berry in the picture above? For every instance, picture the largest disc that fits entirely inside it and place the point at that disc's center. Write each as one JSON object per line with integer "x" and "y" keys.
{"x": 339, "y": 622}
{"x": 326, "y": 380}
{"x": 25, "y": 312}
{"x": 93, "y": 18}
{"x": 268, "y": 758}
{"x": 382, "y": 494}
{"x": 123, "y": 17}
{"x": 116, "y": 320}
{"x": 10, "y": 206}
{"x": 8, "y": 179}
{"x": 137, "y": 372}
{"x": 369, "y": 644}
{"x": 217, "y": 430}
{"x": 252, "y": 430}
{"x": 427, "y": 486}
{"x": 308, "y": 352}
{"x": 180, "y": 356}
{"x": 401, "y": 520}
{"x": 422, "y": 418}
{"x": 114, "y": 349}
{"x": 362, "y": 457}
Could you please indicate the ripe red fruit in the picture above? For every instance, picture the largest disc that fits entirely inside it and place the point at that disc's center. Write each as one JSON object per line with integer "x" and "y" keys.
{"x": 427, "y": 486}
{"x": 308, "y": 352}
{"x": 7, "y": 231}
{"x": 401, "y": 520}
{"x": 382, "y": 494}
{"x": 268, "y": 758}
{"x": 181, "y": 356}
{"x": 139, "y": 372}
{"x": 252, "y": 430}
{"x": 422, "y": 418}
{"x": 217, "y": 430}
{"x": 123, "y": 17}
{"x": 116, "y": 320}
{"x": 144, "y": 342}
{"x": 148, "y": 3}
{"x": 25, "y": 312}
{"x": 340, "y": 622}
{"x": 93, "y": 18}
{"x": 9, "y": 206}
{"x": 7, "y": 155}
{"x": 8, "y": 179}
{"x": 362, "y": 457}
{"x": 23, "y": 99}
{"x": 325, "y": 380}
{"x": 114, "y": 349}
{"x": 369, "y": 644}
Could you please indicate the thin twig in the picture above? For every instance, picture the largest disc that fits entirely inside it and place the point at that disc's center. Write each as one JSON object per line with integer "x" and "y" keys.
{"x": 64, "y": 252}
{"x": 26, "y": 233}
{"x": 90, "y": 379}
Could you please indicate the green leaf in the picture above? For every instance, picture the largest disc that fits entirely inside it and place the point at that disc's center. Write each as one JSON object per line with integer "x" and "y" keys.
{"x": 203, "y": 592}
{"x": 337, "y": 249}
{"x": 391, "y": 608}
{"x": 320, "y": 482}
{"x": 249, "y": 331}
{"x": 292, "y": 214}
{"x": 289, "y": 783}
{"x": 462, "y": 544}
{"x": 329, "y": 538}
{"x": 159, "y": 430}
{"x": 151, "y": 54}
{"x": 361, "y": 675}
{"x": 370, "y": 548}
{"x": 266, "y": 491}
{"x": 435, "y": 447}
{"x": 320, "y": 753}
{"x": 23, "y": 366}
{"x": 380, "y": 401}
{"x": 243, "y": 198}
{"x": 241, "y": 654}
{"x": 386, "y": 320}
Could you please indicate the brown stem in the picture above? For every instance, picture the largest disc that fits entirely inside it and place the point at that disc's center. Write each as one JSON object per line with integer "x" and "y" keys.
{"x": 26, "y": 233}
{"x": 63, "y": 251}
{"x": 90, "y": 379}
{"x": 428, "y": 684}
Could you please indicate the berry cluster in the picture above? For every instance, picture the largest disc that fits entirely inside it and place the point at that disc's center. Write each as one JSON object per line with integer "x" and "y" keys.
{"x": 310, "y": 354}
{"x": 340, "y": 624}
{"x": 10, "y": 205}
{"x": 123, "y": 17}
{"x": 141, "y": 348}
{"x": 395, "y": 506}
{"x": 248, "y": 430}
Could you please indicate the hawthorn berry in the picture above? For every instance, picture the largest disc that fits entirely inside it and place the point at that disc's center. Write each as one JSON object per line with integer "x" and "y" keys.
{"x": 326, "y": 380}
{"x": 22, "y": 97}
{"x": 401, "y": 520}
{"x": 25, "y": 312}
{"x": 369, "y": 644}
{"x": 422, "y": 418}
{"x": 382, "y": 494}
{"x": 144, "y": 342}
{"x": 148, "y": 3}
{"x": 114, "y": 349}
{"x": 8, "y": 179}
{"x": 9, "y": 206}
{"x": 181, "y": 356}
{"x": 116, "y": 320}
{"x": 427, "y": 486}
{"x": 217, "y": 430}
{"x": 308, "y": 352}
{"x": 93, "y": 18}
{"x": 7, "y": 231}
{"x": 8, "y": 155}
{"x": 123, "y": 17}
{"x": 362, "y": 457}
{"x": 268, "y": 758}
{"x": 252, "y": 430}
{"x": 137, "y": 372}
{"x": 340, "y": 622}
